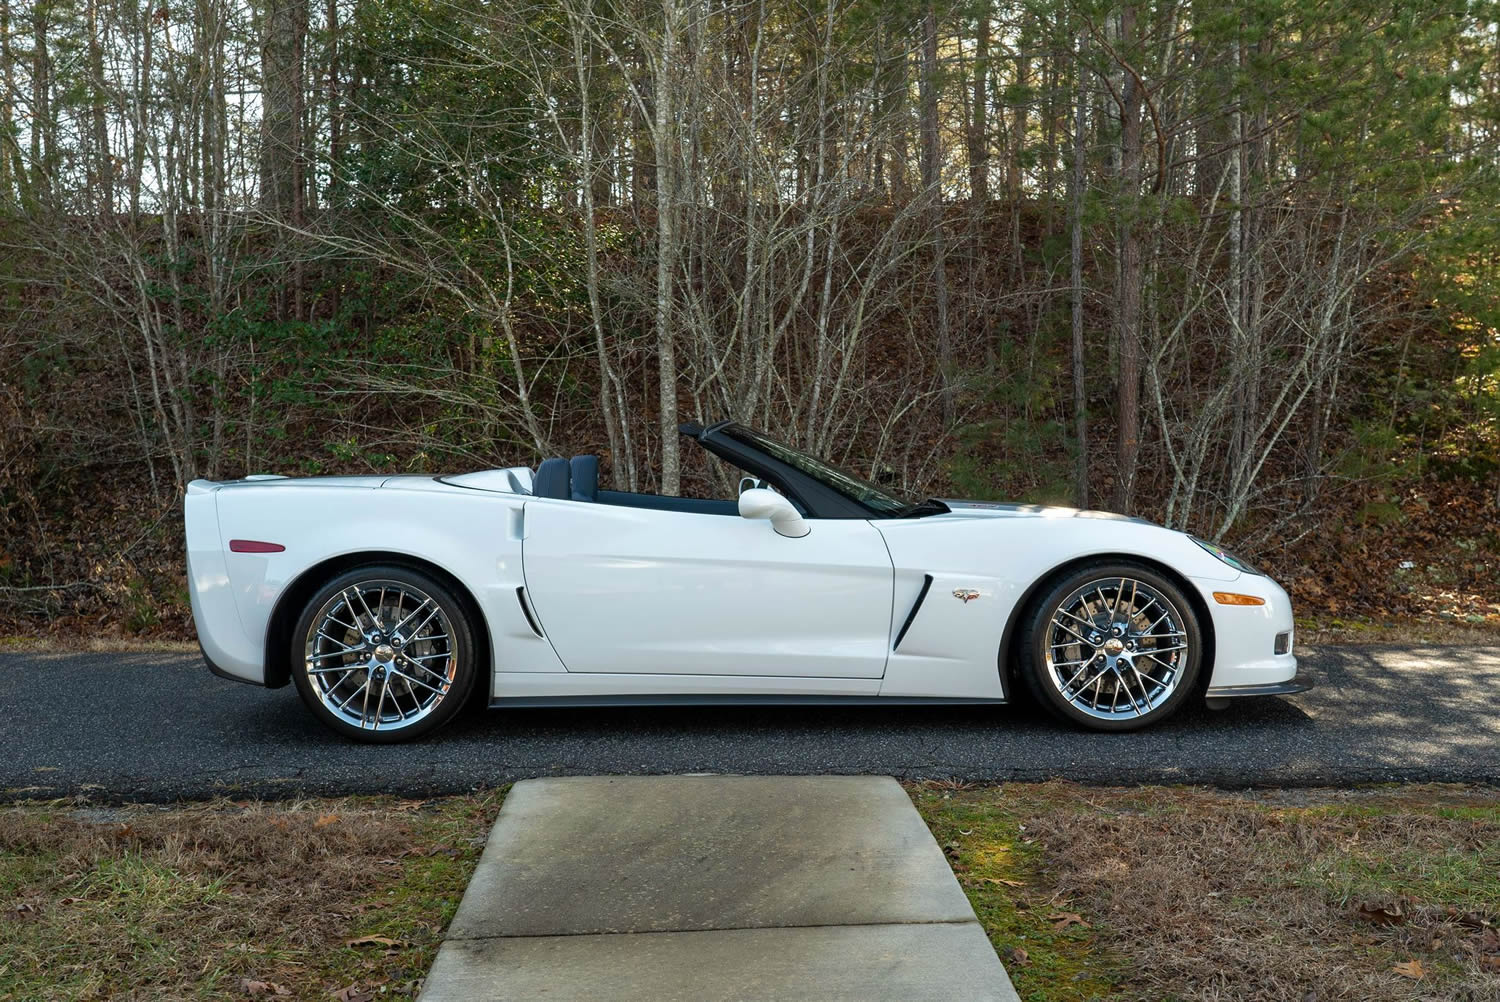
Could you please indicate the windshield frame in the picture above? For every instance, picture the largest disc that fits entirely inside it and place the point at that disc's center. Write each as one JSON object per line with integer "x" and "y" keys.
{"x": 878, "y": 501}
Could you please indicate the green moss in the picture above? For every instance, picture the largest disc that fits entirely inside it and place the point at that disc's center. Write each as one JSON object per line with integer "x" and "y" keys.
{"x": 1001, "y": 872}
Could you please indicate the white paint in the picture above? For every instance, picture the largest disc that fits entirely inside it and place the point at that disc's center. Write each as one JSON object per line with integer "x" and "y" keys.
{"x": 636, "y": 602}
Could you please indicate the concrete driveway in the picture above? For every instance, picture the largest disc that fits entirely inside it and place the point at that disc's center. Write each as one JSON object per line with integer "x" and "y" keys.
{"x": 714, "y": 888}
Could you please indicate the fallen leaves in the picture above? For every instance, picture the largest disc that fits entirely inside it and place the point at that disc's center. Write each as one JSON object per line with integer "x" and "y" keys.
{"x": 23, "y": 912}
{"x": 324, "y": 820}
{"x": 1063, "y": 920}
{"x": 386, "y": 941}
{"x": 352, "y": 993}
{"x": 1382, "y": 914}
{"x": 263, "y": 989}
{"x": 1411, "y": 969}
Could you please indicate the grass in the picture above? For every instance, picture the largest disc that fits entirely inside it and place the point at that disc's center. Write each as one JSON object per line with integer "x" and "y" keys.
{"x": 71, "y": 643}
{"x": 1086, "y": 893}
{"x": 225, "y": 900}
{"x": 1328, "y": 631}
{"x": 1187, "y": 894}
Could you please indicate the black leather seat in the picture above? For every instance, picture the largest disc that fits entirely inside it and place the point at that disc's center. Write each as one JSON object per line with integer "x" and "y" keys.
{"x": 553, "y": 480}
{"x": 585, "y": 470}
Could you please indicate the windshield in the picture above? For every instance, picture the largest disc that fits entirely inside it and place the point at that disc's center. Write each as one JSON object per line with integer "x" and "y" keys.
{"x": 877, "y": 499}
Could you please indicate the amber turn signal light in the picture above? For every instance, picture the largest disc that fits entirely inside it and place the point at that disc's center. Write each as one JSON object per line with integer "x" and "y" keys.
{"x": 1234, "y": 598}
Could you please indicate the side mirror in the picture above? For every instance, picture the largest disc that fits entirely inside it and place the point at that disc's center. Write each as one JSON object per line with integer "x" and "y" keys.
{"x": 762, "y": 502}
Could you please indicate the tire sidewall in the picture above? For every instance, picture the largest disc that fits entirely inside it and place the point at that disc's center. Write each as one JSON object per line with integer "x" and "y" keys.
{"x": 463, "y": 646}
{"x": 1034, "y": 644}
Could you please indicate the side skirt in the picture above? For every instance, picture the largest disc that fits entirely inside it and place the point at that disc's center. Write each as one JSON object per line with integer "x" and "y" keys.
{"x": 736, "y": 699}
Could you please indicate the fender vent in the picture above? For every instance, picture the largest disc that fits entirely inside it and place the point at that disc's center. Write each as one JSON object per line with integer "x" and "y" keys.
{"x": 917, "y": 605}
{"x": 526, "y": 610}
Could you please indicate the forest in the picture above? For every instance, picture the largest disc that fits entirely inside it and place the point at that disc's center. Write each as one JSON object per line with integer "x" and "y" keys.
{"x": 1231, "y": 267}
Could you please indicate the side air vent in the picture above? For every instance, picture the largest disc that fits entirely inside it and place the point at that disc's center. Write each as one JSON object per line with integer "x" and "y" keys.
{"x": 526, "y": 610}
{"x": 916, "y": 606}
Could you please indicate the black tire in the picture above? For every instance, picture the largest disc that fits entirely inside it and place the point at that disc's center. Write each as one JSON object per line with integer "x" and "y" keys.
{"x": 347, "y": 665}
{"x": 1159, "y": 669}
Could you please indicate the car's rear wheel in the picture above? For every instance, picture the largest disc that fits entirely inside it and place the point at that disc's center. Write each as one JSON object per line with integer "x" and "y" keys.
{"x": 1113, "y": 646}
{"x": 383, "y": 653}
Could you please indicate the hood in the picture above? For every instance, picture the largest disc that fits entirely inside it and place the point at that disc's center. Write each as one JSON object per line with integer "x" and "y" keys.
{"x": 1013, "y": 509}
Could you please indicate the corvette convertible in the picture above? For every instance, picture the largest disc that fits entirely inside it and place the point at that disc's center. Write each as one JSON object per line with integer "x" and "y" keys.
{"x": 386, "y": 599}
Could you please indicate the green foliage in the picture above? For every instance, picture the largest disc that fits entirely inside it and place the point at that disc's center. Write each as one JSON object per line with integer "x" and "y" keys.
{"x": 1026, "y": 453}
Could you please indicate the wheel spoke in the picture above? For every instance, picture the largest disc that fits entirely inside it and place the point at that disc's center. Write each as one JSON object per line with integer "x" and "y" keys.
{"x": 417, "y": 632}
{"x": 1065, "y": 626}
{"x": 350, "y": 698}
{"x": 1086, "y": 622}
{"x": 333, "y": 668}
{"x": 345, "y": 648}
{"x": 414, "y": 613}
{"x": 385, "y": 685}
{"x": 416, "y": 681}
{"x": 359, "y": 594}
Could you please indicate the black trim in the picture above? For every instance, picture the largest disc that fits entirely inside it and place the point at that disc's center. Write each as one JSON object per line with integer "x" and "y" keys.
{"x": 917, "y": 605}
{"x": 666, "y": 502}
{"x": 735, "y": 699}
{"x": 526, "y": 610}
{"x": 815, "y": 498}
{"x": 221, "y": 673}
{"x": 1286, "y": 688}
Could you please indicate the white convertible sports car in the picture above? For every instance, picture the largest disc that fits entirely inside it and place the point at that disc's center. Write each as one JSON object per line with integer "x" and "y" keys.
{"x": 386, "y": 599}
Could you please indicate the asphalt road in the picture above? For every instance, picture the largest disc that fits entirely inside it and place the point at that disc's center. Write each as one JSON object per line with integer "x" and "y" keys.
{"x": 160, "y": 727}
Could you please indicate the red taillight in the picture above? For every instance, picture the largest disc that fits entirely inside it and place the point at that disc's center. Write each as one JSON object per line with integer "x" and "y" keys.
{"x": 254, "y": 546}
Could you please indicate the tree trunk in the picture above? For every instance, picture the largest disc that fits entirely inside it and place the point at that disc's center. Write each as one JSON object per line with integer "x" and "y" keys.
{"x": 42, "y": 138}
{"x": 1129, "y": 294}
{"x": 666, "y": 253}
{"x": 12, "y": 178}
{"x": 979, "y": 150}
{"x": 932, "y": 190}
{"x": 1075, "y": 201}
{"x": 1017, "y": 151}
{"x": 106, "y": 168}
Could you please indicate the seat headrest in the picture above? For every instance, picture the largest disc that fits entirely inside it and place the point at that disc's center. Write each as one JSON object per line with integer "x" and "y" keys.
{"x": 553, "y": 480}
{"x": 585, "y": 471}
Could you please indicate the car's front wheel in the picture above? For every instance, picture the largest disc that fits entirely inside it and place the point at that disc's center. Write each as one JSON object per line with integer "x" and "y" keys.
{"x": 1113, "y": 646}
{"x": 383, "y": 653}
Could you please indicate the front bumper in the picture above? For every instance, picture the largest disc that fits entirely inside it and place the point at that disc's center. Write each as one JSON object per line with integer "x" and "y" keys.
{"x": 1245, "y": 658}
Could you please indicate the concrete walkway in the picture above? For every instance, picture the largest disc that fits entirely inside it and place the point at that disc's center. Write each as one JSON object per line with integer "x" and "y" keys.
{"x": 714, "y": 888}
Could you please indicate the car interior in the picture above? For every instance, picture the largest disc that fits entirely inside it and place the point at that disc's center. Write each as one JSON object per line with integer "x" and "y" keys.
{"x": 577, "y": 479}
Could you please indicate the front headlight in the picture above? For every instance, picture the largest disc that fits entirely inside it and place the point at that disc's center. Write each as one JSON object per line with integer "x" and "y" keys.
{"x": 1237, "y": 563}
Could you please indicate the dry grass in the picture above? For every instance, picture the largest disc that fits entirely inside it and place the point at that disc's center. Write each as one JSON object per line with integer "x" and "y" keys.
{"x": 50, "y": 644}
{"x": 231, "y": 900}
{"x": 1187, "y": 894}
{"x": 1333, "y": 631}
{"x": 1309, "y": 896}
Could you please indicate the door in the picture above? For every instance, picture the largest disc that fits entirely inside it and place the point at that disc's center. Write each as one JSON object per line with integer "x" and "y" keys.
{"x": 620, "y": 589}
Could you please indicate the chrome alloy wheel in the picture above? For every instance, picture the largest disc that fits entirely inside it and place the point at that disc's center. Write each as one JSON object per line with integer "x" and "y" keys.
{"x": 380, "y": 655}
{"x": 1117, "y": 648}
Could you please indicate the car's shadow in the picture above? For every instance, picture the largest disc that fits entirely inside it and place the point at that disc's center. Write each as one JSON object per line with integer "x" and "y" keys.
{"x": 281, "y": 719}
